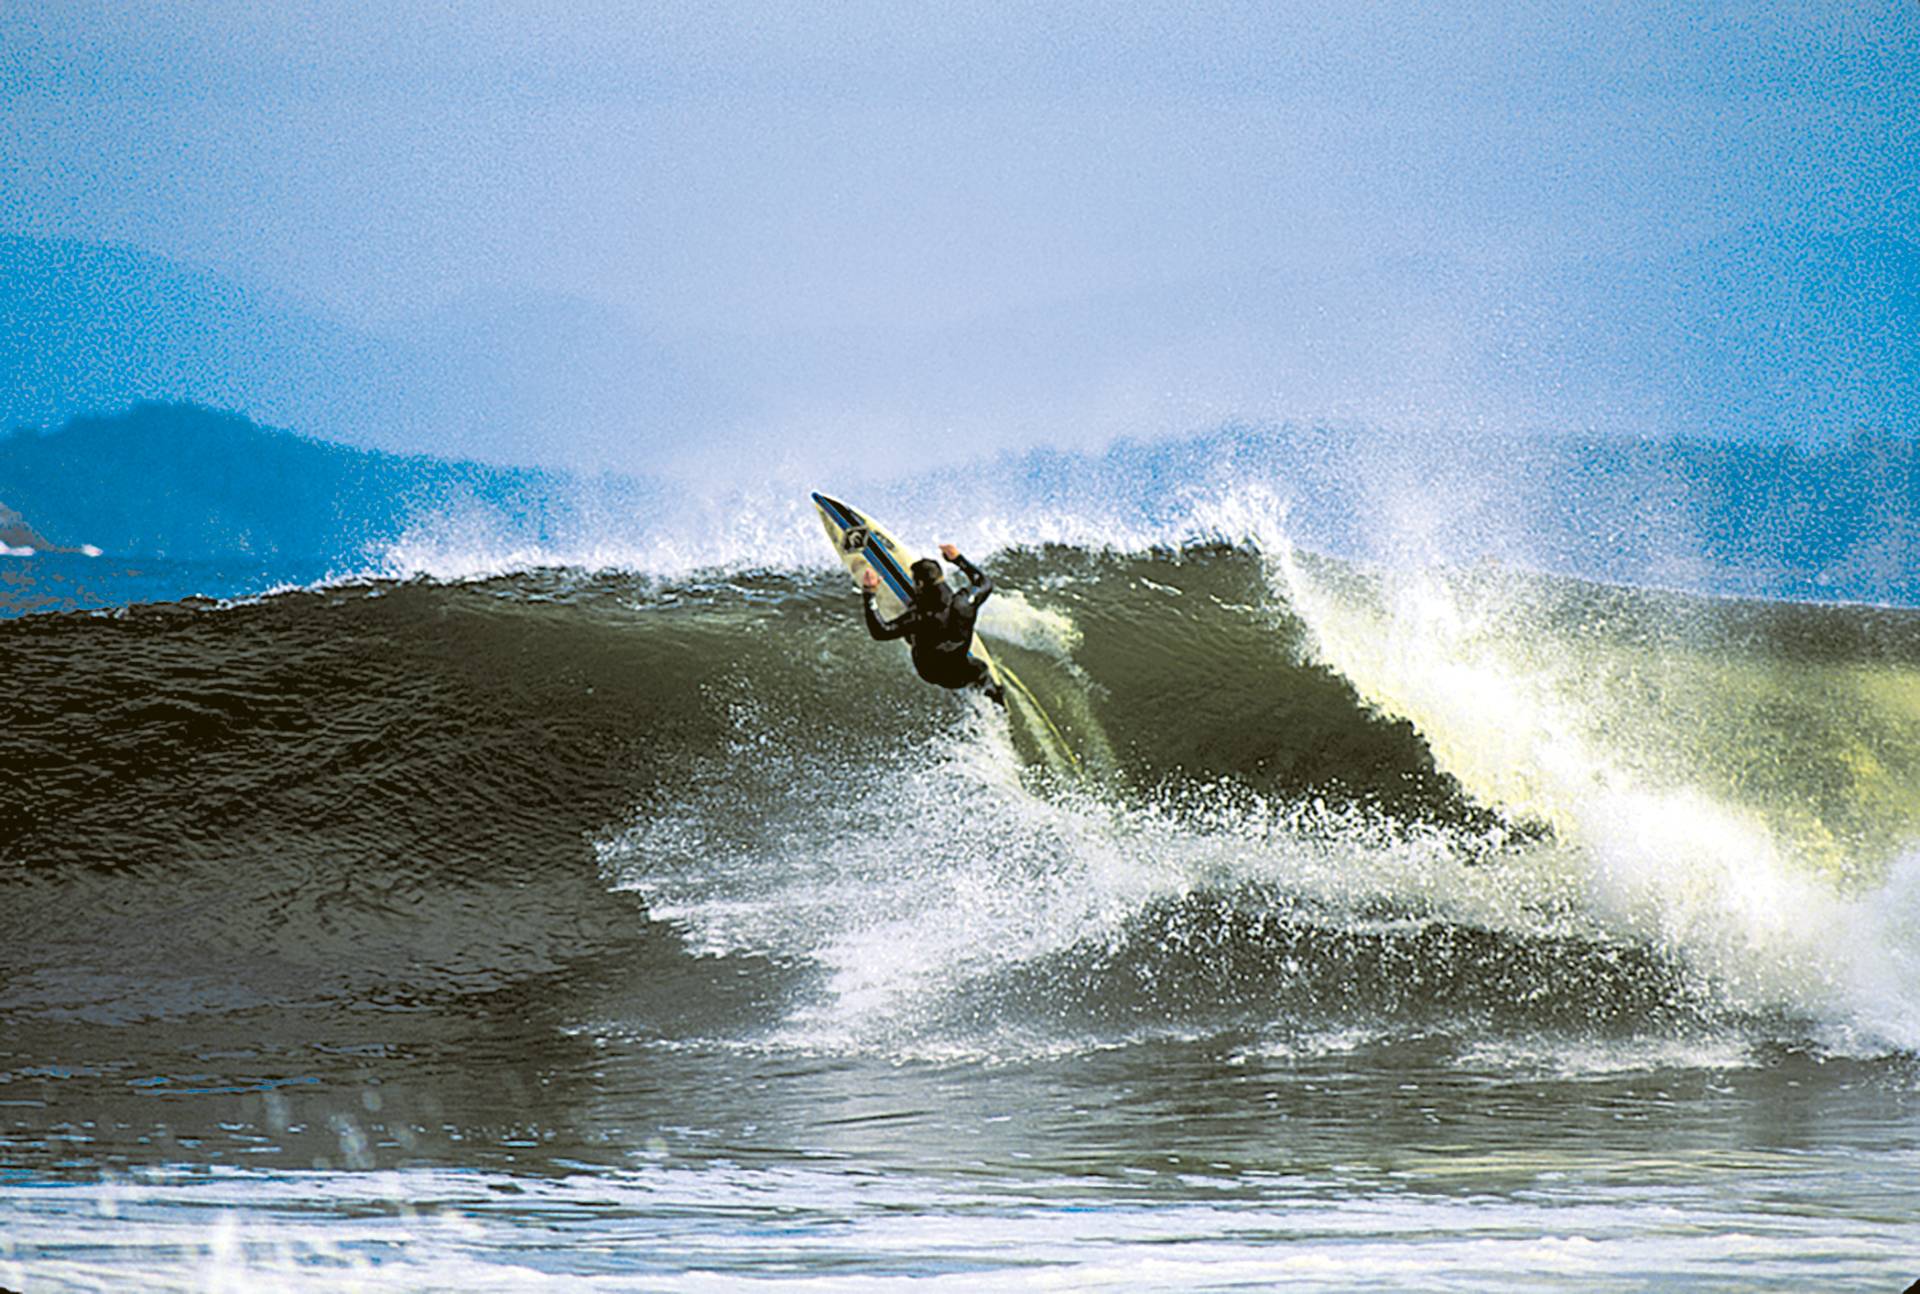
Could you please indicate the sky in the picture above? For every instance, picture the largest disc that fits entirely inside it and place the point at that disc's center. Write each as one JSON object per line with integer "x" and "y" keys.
{"x": 908, "y": 231}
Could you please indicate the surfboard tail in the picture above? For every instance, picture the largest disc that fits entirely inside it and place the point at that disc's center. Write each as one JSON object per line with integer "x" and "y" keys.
{"x": 1052, "y": 743}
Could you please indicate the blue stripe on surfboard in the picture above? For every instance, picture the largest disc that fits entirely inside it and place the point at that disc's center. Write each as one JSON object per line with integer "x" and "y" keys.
{"x": 843, "y": 516}
{"x": 877, "y": 554}
{"x": 890, "y": 568}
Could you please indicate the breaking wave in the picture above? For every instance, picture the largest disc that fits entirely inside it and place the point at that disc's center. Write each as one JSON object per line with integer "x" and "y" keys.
{"x": 1321, "y": 801}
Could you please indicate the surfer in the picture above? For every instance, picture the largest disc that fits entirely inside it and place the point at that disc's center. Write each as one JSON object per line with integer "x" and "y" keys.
{"x": 938, "y": 623}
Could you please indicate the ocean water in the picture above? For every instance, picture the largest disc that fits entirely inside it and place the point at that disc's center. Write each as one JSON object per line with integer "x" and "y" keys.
{"x": 529, "y": 924}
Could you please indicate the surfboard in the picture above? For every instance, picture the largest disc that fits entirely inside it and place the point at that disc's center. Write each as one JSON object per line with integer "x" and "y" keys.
{"x": 864, "y": 545}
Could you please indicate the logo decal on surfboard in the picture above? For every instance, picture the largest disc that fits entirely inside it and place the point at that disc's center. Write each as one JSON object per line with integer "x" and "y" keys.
{"x": 856, "y": 539}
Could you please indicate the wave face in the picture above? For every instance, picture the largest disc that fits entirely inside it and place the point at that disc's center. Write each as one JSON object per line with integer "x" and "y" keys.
{"x": 1324, "y": 801}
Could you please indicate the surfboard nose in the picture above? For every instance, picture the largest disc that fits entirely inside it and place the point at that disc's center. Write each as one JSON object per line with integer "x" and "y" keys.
{"x": 839, "y": 513}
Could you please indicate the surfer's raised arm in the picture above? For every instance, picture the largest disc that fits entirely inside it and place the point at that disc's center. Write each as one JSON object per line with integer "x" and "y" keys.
{"x": 982, "y": 582}
{"x": 879, "y": 628}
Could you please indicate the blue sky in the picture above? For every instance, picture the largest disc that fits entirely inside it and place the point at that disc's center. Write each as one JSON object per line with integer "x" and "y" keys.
{"x": 1002, "y": 225}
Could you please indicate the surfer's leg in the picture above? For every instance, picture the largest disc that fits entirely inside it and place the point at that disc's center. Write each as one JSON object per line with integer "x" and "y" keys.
{"x": 983, "y": 679}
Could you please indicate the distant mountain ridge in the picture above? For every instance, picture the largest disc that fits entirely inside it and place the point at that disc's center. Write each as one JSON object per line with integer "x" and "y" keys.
{"x": 1831, "y": 521}
{"x": 191, "y": 483}
{"x": 1765, "y": 331}
{"x": 16, "y": 533}
{"x": 511, "y": 377}
{"x": 87, "y": 327}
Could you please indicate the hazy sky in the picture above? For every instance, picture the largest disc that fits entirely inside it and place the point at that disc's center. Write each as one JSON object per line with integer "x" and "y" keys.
{"x": 1004, "y": 223}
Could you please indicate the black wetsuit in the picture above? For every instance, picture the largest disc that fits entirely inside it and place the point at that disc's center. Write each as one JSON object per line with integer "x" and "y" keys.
{"x": 939, "y": 625}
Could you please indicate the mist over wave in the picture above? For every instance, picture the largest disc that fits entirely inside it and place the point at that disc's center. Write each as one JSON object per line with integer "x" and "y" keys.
{"x": 257, "y": 509}
{"x": 1831, "y": 523}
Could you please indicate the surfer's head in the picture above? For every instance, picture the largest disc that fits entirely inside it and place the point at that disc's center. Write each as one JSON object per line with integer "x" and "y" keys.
{"x": 929, "y": 582}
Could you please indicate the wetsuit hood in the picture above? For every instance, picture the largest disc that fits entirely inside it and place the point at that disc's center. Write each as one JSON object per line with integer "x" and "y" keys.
{"x": 930, "y": 590}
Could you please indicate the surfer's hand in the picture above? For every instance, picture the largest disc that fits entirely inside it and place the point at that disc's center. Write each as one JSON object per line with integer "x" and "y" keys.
{"x": 949, "y": 552}
{"x": 869, "y": 581}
